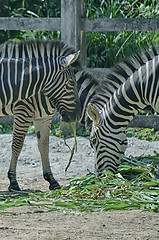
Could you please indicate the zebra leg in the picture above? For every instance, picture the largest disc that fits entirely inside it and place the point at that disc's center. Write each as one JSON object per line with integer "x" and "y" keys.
{"x": 42, "y": 126}
{"x": 20, "y": 130}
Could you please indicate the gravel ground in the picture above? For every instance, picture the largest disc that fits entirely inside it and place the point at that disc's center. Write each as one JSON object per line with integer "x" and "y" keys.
{"x": 112, "y": 225}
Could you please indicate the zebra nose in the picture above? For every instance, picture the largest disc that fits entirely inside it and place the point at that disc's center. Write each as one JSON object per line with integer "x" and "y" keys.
{"x": 65, "y": 118}
{"x": 71, "y": 116}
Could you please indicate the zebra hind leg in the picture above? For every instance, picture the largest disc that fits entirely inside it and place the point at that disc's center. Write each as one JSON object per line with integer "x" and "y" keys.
{"x": 42, "y": 126}
{"x": 17, "y": 145}
{"x": 20, "y": 130}
{"x": 16, "y": 149}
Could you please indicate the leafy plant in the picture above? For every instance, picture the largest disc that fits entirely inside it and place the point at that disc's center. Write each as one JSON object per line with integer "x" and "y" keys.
{"x": 104, "y": 49}
{"x": 148, "y": 134}
{"x": 29, "y": 8}
{"x": 91, "y": 193}
{"x": 6, "y": 129}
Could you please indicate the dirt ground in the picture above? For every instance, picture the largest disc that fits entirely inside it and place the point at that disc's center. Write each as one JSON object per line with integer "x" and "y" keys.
{"x": 125, "y": 225}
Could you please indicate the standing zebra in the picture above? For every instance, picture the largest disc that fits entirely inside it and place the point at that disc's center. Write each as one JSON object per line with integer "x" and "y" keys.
{"x": 27, "y": 68}
{"x": 89, "y": 91}
{"x": 40, "y": 110}
{"x": 140, "y": 88}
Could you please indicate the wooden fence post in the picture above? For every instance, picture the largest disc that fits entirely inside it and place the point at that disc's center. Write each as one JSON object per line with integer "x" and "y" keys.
{"x": 70, "y": 16}
{"x": 71, "y": 13}
{"x": 83, "y": 36}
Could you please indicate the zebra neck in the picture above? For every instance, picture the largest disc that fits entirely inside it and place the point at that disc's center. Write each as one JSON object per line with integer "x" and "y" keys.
{"x": 87, "y": 86}
{"x": 84, "y": 119}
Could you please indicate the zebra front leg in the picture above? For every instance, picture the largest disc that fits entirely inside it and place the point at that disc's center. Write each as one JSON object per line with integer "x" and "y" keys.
{"x": 42, "y": 126}
{"x": 20, "y": 130}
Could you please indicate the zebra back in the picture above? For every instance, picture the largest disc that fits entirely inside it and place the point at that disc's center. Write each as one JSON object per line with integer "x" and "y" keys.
{"x": 132, "y": 85}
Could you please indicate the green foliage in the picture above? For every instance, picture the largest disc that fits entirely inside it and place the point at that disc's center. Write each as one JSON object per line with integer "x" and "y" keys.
{"x": 106, "y": 48}
{"x": 29, "y": 8}
{"x": 63, "y": 129}
{"x": 31, "y": 129}
{"x": 103, "y": 49}
{"x": 148, "y": 134}
{"x": 91, "y": 193}
{"x": 59, "y": 130}
{"x": 6, "y": 129}
{"x": 56, "y": 130}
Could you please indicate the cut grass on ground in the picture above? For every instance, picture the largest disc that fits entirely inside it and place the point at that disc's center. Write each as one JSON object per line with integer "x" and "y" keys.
{"x": 134, "y": 187}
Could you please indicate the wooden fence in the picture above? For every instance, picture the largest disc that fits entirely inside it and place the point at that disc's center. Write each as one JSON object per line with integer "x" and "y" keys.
{"x": 73, "y": 26}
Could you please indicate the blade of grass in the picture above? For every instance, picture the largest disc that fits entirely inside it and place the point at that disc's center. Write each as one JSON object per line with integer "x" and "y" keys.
{"x": 74, "y": 149}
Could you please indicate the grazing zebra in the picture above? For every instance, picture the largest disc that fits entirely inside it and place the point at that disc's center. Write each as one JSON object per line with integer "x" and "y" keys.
{"x": 39, "y": 110}
{"x": 27, "y": 68}
{"x": 139, "y": 78}
{"x": 89, "y": 91}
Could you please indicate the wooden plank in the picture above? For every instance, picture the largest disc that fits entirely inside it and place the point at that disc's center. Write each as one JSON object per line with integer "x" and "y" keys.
{"x": 120, "y": 24}
{"x": 6, "y": 120}
{"x": 40, "y": 24}
{"x": 142, "y": 121}
{"x": 139, "y": 121}
{"x": 83, "y": 35}
{"x": 99, "y": 73}
{"x": 102, "y": 24}
{"x": 70, "y": 22}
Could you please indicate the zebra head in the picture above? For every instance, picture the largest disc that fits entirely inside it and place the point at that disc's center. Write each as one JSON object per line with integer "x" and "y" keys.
{"x": 69, "y": 104}
{"x": 65, "y": 97}
{"x": 109, "y": 144}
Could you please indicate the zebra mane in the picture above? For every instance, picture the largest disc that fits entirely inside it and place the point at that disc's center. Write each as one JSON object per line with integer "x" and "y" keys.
{"x": 36, "y": 48}
{"x": 87, "y": 85}
{"x": 122, "y": 71}
{"x": 87, "y": 78}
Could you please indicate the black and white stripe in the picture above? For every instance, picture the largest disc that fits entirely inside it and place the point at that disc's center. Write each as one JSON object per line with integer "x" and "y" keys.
{"x": 137, "y": 86}
{"x": 29, "y": 67}
{"x": 40, "y": 110}
{"x": 109, "y": 141}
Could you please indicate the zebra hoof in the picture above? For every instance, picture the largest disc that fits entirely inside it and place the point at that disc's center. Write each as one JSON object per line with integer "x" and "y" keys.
{"x": 14, "y": 187}
{"x": 54, "y": 185}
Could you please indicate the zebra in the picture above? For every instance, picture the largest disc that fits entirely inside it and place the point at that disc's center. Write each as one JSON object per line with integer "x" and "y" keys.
{"x": 137, "y": 81}
{"x": 91, "y": 91}
{"x": 40, "y": 110}
{"x": 28, "y": 67}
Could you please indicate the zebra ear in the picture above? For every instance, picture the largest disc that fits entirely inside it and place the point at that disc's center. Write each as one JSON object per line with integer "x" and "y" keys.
{"x": 93, "y": 114}
{"x": 67, "y": 61}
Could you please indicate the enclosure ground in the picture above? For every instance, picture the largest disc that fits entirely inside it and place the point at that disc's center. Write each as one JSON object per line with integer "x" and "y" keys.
{"x": 134, "y": 224}
{"x": 94, "y": 226}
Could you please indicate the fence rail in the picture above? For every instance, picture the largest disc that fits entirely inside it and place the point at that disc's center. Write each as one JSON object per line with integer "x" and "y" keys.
{"x": 73, "y": 26}
{"x": 87, "y": 25}
{"x": 40, "y": 24}
{"x": 140, "y": 121}
{"x": 119, "y": 24}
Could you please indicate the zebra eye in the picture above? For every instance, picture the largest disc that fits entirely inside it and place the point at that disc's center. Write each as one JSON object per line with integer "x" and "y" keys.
{"x": 62, "y": 61}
